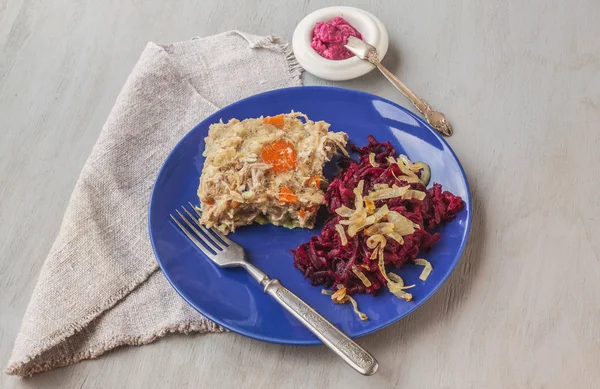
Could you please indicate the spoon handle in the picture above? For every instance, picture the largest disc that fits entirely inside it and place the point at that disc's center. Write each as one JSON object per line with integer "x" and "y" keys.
{"x": 436, "y": 119}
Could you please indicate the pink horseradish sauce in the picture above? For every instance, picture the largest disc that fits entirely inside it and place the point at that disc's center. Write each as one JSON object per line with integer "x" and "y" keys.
{"x": 330, "y": 37}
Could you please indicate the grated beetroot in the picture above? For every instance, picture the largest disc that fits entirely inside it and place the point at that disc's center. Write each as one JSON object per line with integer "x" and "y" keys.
{"x": 326, "y": 262}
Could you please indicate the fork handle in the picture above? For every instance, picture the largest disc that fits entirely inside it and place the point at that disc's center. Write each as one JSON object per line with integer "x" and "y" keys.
{"x": 330, "y": 335}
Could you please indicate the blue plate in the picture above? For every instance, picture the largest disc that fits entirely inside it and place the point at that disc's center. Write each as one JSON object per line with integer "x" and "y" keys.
{"x": 229, "y": 296}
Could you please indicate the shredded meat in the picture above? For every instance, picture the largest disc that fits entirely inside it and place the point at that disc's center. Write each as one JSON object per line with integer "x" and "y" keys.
{"x": 266, "y": 170}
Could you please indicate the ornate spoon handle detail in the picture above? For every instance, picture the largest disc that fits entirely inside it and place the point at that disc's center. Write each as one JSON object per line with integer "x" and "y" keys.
{"x": 436, "y": 119}
{"x": 346, "y": 348}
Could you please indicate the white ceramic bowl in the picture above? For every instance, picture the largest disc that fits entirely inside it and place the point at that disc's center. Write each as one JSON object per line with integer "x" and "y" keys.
{"x": 370, "y": 27}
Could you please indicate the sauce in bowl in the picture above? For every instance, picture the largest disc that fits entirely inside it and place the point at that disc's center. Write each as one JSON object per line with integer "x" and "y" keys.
{"x": 329, "y": 38}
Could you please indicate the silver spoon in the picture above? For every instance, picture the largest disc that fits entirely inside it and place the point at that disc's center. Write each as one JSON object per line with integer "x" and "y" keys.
{"x": 367, "y": 52}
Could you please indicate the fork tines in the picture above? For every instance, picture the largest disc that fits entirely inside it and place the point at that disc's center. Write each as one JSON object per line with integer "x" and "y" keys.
{"x": 213, "y": 241}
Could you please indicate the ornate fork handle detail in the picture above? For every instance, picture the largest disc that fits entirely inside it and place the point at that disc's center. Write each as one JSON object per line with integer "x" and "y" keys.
{"x": 436, "y": 119}
{"x": 346, "y": 348}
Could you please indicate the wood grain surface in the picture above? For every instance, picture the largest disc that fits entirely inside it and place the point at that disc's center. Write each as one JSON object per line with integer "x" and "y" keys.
{"x": 520, "y": 82}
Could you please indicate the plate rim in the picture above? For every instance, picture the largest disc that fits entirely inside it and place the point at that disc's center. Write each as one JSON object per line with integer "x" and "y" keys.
{"x": 315, "y": 341}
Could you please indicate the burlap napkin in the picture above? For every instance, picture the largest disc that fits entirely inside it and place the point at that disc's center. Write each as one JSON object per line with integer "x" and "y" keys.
{"x": 100, "y": 286}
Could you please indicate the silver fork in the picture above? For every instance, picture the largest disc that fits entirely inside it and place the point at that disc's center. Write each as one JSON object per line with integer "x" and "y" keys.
{"x": 225, "y": 253}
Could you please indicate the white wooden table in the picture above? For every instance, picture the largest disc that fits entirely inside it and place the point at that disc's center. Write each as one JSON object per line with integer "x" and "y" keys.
{"x": 520, "y": 81}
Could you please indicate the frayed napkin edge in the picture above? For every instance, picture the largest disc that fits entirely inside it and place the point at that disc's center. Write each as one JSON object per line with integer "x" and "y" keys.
{"x": 27, "y": 366}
